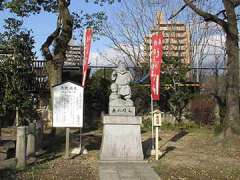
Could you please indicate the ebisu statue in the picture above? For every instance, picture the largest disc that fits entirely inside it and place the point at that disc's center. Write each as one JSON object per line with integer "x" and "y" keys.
{"x": 121, "y": 91}
{"x": 121, "y": 140}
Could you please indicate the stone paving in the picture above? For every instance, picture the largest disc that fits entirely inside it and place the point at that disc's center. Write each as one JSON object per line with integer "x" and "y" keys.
{"x": 126, "y": 171}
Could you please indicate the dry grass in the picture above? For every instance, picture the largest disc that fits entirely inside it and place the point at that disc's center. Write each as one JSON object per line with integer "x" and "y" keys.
{"x": 198, "y": 155}
{"x": 188, "y": 155}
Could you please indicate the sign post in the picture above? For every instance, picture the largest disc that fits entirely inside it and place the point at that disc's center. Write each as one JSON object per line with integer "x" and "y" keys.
{"x": 67, "y": 156}
{"x": 157, "y": 122}
{"x": 67, "y": 108}
{"x": 156, "y": 52}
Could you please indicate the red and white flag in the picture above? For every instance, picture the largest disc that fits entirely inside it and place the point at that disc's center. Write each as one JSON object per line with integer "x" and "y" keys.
{"x": 156, "y": 61}
{"x": 87, "y": 46}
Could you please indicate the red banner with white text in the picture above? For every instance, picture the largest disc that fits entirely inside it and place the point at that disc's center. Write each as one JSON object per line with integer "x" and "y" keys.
{"x": 87, "y": 46}
{"x": 156, "y": 61}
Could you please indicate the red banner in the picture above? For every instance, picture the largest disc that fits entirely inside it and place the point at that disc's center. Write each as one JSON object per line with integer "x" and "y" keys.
{"x": 156, "y": 61}
{"x": 87, "y": 46}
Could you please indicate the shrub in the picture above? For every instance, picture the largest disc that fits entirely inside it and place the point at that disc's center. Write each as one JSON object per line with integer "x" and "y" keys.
{"x": 141, "y": 97}
{"x": 202, "y": 110}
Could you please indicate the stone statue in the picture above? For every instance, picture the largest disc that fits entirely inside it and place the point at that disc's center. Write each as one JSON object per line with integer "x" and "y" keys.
{"x": 121, "y": 91}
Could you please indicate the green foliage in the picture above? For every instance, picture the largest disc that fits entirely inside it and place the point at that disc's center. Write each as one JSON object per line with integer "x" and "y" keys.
{"x": 15, "y": 66}
{"x": 26, "y": 7}
{"x": 82, "y": 20}
{"x": 141, "y": 97}
{"x": 101, "y": 2}
{"x": 96, "y": 97}
{"x": 174, "y": 89}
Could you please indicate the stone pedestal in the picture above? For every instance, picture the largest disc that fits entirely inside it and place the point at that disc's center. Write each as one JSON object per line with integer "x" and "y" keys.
{"x": 21, "y": 147}
{"x": 121, "y": 139}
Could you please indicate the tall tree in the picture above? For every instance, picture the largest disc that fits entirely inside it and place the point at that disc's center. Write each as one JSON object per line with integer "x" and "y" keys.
{"x": 56, "y": 44}
{"x": 16, "y": 74}
{"x": 60, "y": 38}
{"x": 227, "y": 20}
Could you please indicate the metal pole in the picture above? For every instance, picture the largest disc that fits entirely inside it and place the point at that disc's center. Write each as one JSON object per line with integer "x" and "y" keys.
{"x": 151, "y": 99}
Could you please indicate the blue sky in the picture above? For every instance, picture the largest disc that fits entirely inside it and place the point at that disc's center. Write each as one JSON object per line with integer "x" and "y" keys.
{"x": 44, "y": 24}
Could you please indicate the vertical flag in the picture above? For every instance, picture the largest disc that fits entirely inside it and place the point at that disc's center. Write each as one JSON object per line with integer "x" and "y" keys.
{"x": 87, "y": 46}
{"x": 155, "y": 64}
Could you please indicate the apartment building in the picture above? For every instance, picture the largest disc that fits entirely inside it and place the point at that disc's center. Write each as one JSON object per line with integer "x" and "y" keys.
{"x": 176, "y": 43}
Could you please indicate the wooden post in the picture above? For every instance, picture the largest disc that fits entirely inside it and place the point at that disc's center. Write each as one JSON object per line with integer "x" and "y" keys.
{"x": 80, "y": 141}
{"x": 156, "y": 142}
{"x": 17, "y": 117}
{"x": 67, "y": 144}
{"x": 152, "y": 125}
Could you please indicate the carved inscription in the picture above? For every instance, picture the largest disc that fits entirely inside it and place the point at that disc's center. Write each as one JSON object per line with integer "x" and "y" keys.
{"x": 125, "y": 111}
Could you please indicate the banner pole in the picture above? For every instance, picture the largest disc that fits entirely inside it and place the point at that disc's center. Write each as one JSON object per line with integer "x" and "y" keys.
{"x": 86, "y": 53}
{"x": 151, "y": 101}
{"x": 156, "y": 143}
{"x": 152, "y": 123}
{"x": 83, "y": 84}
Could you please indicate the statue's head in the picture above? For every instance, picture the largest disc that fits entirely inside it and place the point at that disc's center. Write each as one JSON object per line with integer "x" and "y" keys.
{"x": 114, "y": 87}
{"x": 122, "y": 66}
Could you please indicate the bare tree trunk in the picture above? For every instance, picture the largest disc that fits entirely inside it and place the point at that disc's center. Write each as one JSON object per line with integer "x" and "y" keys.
{"x": 229, "y": 25}
{"x": 59, "y": 40}
{"x": 232, "y": 121}
{"x": 54, "y": 72}
{"x": 232, "y": 77}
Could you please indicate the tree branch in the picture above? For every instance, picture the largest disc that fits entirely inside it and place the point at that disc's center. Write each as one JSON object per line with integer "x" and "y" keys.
{"x": 235, "y": 2}
{"x": 180, "y": 10}
{"x": 207, "y": 16}
{"x": 61, "y": 36}
{"x": 65, "y": 35}
{"x": 45, "y": 47}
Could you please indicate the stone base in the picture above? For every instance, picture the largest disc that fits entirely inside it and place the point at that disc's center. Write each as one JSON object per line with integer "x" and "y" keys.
{"x": 121, "y": 139}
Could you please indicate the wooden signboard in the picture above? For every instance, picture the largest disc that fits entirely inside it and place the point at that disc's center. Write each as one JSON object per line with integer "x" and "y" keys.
{"x": 67, "y": 105}
{"x": 157, "y": 119}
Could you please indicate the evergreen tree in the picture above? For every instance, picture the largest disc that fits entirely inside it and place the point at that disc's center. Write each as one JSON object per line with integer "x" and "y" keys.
{"x": 16, "y": 72}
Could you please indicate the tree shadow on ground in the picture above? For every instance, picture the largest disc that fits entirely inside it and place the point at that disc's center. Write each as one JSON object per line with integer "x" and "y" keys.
{"x": 167, "y": 150}
{"x": 9, "y": 174}
{"x": 55, "y": 145}
{"x": 147, "y": 144}
{"x": 89, "y": 141}
{"x": 179, "y": 135}
{"x": 175, "y": 138}
{"x": 93, "y": 142}
{"x": 52, "y": 147}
